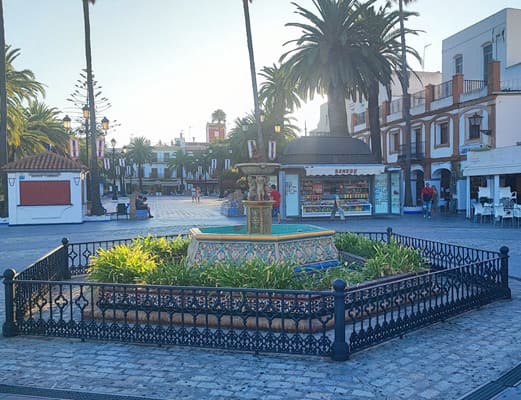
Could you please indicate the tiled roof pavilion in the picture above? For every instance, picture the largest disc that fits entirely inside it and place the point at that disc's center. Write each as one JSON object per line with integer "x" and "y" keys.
{"x": 44, "y": 162}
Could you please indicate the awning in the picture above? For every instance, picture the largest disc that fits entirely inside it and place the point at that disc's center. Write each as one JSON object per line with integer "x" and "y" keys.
{"x": 500, "y": 161}
{"x": 344, "y": 169}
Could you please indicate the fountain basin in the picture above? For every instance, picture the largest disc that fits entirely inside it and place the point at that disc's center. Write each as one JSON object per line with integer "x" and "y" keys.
{"x": 307, "y": 246}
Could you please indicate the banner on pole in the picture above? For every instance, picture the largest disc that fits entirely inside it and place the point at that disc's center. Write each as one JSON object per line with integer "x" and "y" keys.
{"x": 74, "y": 148}
{"x": 227, "y": 163}
{"x": 272, "y": 150}
{"x": 100, "y": 147}
{"x": 106, "y": 164}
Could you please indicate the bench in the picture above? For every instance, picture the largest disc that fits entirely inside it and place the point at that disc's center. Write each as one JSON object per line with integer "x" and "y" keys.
{"x": 121, "y": 209}
{"x": 141, "y": 214}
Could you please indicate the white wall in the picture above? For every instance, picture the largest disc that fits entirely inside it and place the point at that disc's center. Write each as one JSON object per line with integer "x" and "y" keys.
{"x": 502, "y": 30}
{"x": 32, "y": 215}
{"x": 508, "y": 128}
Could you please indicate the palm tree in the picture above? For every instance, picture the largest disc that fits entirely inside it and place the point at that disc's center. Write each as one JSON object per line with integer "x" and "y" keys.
{"x": 326, "y": 56}
{"x": 96, "y": 207}
{"x": 42, "y": 128}
{"x": 219, "y": 116}
{"x": 277, "y": 93}
{"x": 140, "y": 152}
{"x": 382, "y": 57}
{"x": 406, "y": 106}
{"x": 180, "y": 161}
{"x": 260, "y": 136}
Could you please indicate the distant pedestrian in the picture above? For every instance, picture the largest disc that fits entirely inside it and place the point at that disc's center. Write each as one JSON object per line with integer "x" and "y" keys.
{"x": 426, "y": 194}
{"x": 337, "y": 207}
{"x": 198, "y": 194}
{"x": 194, "y": 194}
{"x": 275, "y": 196}
{"x": 435, "y": 200}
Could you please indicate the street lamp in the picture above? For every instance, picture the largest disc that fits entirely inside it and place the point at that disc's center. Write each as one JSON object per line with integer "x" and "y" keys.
{"x": 114, "y": 190}
{"x": 105, "y": 124}
{"x": 475, "y": 120}
{"x": 67, "y": 122}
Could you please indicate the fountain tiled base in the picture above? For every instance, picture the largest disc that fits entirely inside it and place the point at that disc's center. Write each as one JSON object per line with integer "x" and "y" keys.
{"x": 303, "y": 245}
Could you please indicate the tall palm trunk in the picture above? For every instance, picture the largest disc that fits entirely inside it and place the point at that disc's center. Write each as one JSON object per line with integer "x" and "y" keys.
{"x": 406, "y": 112}
{"x": 374, "y": 120}
{"x": 3, "y": 114}
{"x": 96, "y": 208}
{"x": 260, "y": 136}
{"x": 336, "y": 110}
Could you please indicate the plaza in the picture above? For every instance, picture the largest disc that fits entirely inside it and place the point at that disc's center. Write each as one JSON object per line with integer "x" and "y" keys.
{"x": 443, "y": 361}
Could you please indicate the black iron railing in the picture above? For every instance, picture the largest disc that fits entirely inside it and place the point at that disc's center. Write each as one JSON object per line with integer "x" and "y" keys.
{"x": 418, "y": 98}
{"x": 417, "y": 151}
{"x": 334, "y": 323}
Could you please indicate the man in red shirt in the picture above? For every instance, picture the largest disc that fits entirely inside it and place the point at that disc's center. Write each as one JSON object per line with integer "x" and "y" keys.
{"x": 427, "y": 194}
{"x": 275, "y": 196}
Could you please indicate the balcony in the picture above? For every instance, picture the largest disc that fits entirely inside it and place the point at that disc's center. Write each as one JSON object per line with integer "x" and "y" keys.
{"x": 417, "y": 152}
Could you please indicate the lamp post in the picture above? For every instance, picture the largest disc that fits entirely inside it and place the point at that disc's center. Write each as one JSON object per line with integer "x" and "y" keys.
{"x": 114, "y": 190}
{"x": 123, "y": 171}
{"x": 86, "y": 114}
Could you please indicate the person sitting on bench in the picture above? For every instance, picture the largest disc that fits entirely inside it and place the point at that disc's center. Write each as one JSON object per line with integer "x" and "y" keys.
{"x": 142, "y": 205}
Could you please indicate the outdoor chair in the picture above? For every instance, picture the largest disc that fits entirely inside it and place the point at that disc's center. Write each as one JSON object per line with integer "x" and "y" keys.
{"x": 501, "y": 213}
{"x": 516, "y": 213}
{"x": 483, "y": 211}
{"x": 122, "y": 209}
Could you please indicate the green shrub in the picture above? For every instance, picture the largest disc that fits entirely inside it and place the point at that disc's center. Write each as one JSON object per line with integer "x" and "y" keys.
{"x": 121, "y": 264}
{"x": 175, "y": 273}
{"x": 391, "y": 260}
{"x": 356, "y": 244}
{"x": 166, "y": 250}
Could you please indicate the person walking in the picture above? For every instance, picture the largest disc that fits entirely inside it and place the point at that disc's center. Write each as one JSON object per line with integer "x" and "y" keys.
{"x": 275, "y": 196}
{"x": 198, "y": 194}
{"x": 337, "y": 207}
{"x": 426, "y": 195}
{"x": 194, "y": 194}
{"x": 435, "y": 200}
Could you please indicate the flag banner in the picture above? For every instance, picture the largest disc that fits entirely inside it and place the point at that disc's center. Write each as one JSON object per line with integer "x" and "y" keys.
{"x": 214, "y": 163}
{"x": 100, "y": 147}
{"x": 75, "y": 151}
{"x": 272, "y": 150}
{"x": 106, "y": 164}
{"x": 227, "y": 163}
{"x": 253, "y": 153}
{"x": 129, "y": 170}
{"x": 117, "y": 169}
{"x": 121, "y": 162}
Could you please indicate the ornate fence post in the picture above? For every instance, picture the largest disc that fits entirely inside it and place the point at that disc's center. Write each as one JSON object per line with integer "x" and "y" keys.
{"x": 9, "y": 327}
{"x": 64, "y": 264}
{"x": 389, "y": 235}
{"x": 340, "y": 346}
{"x": 504, "y": 272}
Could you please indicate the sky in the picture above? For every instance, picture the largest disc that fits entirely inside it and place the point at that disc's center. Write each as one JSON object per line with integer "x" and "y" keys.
{"x": 166, "y": 65}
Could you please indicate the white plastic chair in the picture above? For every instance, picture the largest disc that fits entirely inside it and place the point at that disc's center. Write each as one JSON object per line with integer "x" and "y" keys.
{"x": 478, "y": 211}
{"x": 488, "y": 211}
{"x": 502, "y": 213}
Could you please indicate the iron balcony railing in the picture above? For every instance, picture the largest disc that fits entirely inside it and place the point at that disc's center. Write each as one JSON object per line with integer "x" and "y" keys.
{"x": 417, "y": 151}
{"x": 511, "y": 85}
{"x": 443, "y": 90}
{"x": 396, "y": 106}
{"x": 473, "y": 85}
{"x": 418, "y": 98}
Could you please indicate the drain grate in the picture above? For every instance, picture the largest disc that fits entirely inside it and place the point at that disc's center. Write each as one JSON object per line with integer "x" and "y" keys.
{"x": 492, "y": 389}
{"x": 64, "y": 394}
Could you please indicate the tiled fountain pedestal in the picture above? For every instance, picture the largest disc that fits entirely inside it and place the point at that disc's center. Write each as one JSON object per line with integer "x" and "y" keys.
{"x": 302, "y": 245}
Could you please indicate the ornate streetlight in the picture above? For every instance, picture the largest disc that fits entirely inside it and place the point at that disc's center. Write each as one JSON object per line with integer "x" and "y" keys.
{"x": 114, "y": 189}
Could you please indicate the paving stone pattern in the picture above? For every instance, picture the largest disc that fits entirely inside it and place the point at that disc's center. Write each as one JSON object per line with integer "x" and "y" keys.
{"x": 444, "y": 361}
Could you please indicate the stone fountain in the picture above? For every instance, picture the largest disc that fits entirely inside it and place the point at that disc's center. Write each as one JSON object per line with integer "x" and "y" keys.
{"x": 307, "y": 246}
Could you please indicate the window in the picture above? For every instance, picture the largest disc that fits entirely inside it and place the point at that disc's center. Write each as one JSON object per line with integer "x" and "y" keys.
{"x": 487, "y": 57}
{"x": 474, "y": 131}
{"x": 458, "y": 64}
{"x": 443, "y": 134}
{"x": 166, "y": 156}
{"x": 153, "y": 173}
{"x": 154, "y": 157}
{"x": 395, "y": 142}
{"x": 418, "y": 140}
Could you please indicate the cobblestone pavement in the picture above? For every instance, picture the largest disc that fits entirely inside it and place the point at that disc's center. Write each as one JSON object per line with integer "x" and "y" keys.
{"x": 444, "y": 361}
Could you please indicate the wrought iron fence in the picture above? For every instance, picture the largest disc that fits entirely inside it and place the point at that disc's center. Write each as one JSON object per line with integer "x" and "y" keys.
{"x": 332, "y": 323}
{"x": 418, "y": 98}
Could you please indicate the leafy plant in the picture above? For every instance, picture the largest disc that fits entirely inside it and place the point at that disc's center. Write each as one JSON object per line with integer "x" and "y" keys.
{"x": 356, "y": 244}
{"x": 393, "y": 259}
{"x": 165, "y": 250}
{"x": 176, "y": 273}
{"x": 121, "y": 264}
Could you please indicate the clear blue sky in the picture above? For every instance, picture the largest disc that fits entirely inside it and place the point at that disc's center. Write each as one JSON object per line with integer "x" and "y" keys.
{"x": 166, "y": 65}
